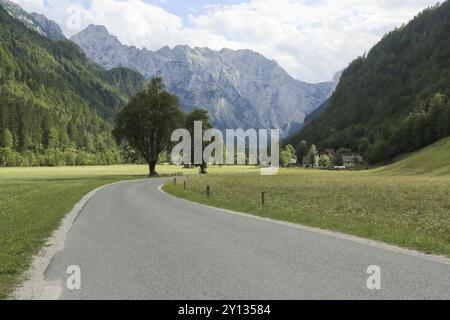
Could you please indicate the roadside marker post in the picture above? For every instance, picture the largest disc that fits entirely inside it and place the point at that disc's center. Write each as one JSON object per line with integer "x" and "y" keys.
{"x": 208, "y": 191}
{"x": 174, "y": 181}
{"x": 184, "y": 185}
{"x": 263, "y": 198}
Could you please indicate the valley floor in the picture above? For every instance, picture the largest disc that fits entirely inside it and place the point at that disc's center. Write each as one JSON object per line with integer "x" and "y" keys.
{"x": 386, "y": 204}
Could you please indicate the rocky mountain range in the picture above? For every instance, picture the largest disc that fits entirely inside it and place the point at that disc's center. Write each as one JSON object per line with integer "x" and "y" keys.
{"x": 34, "y": 21}
{"x": 240, "y": 89}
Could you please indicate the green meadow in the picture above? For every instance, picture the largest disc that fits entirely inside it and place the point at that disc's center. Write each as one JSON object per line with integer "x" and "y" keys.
{"x": 405, "y": 204}
{"x": 431, "y": 161}
{"x": 33, "y": 201}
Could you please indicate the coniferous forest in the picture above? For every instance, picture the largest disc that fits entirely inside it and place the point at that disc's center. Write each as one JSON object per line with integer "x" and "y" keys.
{"x": 56, "y": 107}
{"x": 396, "y": 96}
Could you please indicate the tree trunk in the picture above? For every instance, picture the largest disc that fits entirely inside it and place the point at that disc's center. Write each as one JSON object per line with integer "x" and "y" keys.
{"x": 152, "y": 170}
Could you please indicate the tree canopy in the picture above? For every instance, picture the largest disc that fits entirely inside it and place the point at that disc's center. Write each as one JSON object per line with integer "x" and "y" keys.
{"x": 202, "y": 116}
{"x": 148, "y": 120}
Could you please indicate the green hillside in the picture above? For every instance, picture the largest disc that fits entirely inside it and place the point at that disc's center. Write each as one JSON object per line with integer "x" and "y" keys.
{"x": 396, "y": 96}
{"x": 433, "y": 160}
{"x": 54, "y": 102}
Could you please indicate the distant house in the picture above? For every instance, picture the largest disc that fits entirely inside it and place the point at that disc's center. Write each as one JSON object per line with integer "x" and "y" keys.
{"x": 330, "y": 152}
{"x": 293, "y": 162}
{"x": 352, "y": 160}
{"x": 306, "y": 162}
{"x": 327, "y": 152}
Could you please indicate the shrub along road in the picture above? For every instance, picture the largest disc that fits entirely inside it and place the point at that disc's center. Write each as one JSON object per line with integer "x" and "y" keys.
{"x": 132, "y": 241}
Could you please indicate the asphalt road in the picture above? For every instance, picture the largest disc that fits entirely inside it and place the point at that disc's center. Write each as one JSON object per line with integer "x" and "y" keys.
{"x": 132, "y": 241}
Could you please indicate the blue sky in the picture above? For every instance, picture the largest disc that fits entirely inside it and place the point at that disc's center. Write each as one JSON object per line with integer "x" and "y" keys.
{"x": 184, "y": 8}
{"x": 310, "y": 39}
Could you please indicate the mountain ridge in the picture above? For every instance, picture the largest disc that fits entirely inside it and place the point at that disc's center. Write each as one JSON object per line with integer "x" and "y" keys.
{"x": 238, "y": 88}
{"x": 34, "y": 21}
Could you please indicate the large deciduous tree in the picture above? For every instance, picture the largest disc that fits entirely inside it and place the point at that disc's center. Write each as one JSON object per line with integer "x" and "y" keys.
{"x": 191, "y": 118}
{"x": 148, "y": 121}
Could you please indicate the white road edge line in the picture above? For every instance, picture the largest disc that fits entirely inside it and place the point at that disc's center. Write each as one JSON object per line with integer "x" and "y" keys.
{"x": 34, "y": 285}
{"x": 336, "y": 235}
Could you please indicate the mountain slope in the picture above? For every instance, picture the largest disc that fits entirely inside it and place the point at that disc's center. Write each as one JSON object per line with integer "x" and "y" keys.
{"x": 238, "y": 88}
{"x": 52, "y": 97}
{"x": 34, "y": 21}
{"x": 433, "y": 160}
{"x": 396, "y": 95}
{"x": 50, "y": 28}
{"x": 316, "y": 113}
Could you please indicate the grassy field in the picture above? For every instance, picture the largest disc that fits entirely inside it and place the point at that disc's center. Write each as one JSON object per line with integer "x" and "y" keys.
{"x": 34, "y": 200}
{"x": 406, "y": 203}
{"x": 431, "y": 161}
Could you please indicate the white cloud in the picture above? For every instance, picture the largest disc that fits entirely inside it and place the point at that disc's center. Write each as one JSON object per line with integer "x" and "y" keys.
{"x": 310, "y": 39}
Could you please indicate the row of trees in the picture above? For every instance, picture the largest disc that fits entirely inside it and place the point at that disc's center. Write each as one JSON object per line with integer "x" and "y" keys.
{"x": 310, "y": 153}
{"x": 54, "y": 154}
{"x": 53, "y": 158}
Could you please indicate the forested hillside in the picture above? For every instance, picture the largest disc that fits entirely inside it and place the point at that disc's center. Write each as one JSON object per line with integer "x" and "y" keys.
{"x": 396, "y": 96}
{"x": 56, "y": 107}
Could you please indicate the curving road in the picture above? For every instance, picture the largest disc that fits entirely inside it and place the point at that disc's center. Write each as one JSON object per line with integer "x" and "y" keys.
{"x": 132, "y": 241}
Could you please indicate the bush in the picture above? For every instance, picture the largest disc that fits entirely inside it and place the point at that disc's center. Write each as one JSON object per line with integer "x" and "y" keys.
{"x": 31, "y": 159}
{"x": 326, "y": 161}
{"x": 7, "y": 157}
{"x": 70, "y": 158}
